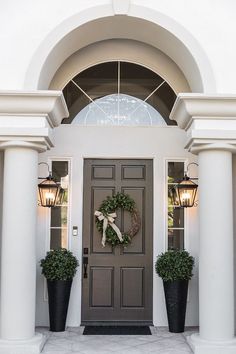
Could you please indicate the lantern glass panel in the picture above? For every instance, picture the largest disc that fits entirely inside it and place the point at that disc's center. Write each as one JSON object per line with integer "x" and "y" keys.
{"x": 172, "y": 196}
{"x": 62, "y": 197}
{"x": 186, "y": 191}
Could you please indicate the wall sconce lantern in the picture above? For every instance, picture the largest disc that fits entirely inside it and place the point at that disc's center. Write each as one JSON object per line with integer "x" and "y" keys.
{"x": 186, "y": 190}
{"x": 48, "y": 189}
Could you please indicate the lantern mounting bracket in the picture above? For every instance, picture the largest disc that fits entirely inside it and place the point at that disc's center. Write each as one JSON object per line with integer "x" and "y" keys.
{"x": 49, "y": 177}
{"x": 186, "y": 173}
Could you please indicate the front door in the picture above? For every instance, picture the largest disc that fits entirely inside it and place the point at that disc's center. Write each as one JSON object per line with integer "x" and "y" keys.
{"x": 118, "y": 285}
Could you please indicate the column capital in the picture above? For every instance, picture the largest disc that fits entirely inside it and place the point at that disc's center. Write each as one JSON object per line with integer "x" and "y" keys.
{"x": 209, "y": 120}
{"x": 22, "y": 144}
{"x": 31, "y": 115}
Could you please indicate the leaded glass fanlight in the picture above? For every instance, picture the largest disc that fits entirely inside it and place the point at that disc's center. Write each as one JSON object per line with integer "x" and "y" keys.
{"x": 119, "y": 109}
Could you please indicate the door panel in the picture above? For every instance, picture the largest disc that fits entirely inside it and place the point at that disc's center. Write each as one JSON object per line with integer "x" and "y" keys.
{"x": 98, "y": 194}
{"x": 118, "y": 288}
{"x": 101, "y": 285}
{"x": 132, "y": 287}
{"x": 138, "y": 242}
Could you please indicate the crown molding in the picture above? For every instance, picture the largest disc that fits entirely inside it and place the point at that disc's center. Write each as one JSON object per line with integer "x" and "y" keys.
{"x": 209, "y": 120}
{"x": 35, "y": 104}
{"x": 190, "y": 106}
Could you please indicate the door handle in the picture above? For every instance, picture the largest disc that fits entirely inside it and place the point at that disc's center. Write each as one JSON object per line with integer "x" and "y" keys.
{"x": 85, "y": 267}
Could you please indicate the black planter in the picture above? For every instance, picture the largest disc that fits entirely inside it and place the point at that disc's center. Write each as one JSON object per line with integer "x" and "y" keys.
{"x": 58, "y": 300}
{"x": 176, "y": 300}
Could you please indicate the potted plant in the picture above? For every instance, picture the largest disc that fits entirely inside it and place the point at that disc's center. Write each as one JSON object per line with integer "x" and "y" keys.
{"x": 58, "y": 267}
{"x": 175, "y": 268}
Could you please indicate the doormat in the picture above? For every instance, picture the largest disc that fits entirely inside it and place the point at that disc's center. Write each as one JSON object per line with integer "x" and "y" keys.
{"x": 117, "y": 330}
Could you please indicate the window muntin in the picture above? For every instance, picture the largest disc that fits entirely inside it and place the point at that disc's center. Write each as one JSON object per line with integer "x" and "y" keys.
{"x": 176, "y": 215}
{"x": 59, "y": 214}
{"x": 120, "y": 78}
{"x": 138, "y": 81}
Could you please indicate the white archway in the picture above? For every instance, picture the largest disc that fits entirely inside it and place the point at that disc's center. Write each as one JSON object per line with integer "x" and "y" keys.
{"x": 99, "y": 23}
{"x": 121, "y": 50}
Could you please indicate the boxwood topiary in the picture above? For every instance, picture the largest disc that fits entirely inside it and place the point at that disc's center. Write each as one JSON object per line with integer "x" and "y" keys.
{"x": 174, "y": 265}
{"x": 59, "y": 264}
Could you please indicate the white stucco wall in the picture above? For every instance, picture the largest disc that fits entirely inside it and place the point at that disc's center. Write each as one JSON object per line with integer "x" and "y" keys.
{"x": 159, "y": 144}
{"x": 25, "y": 25}
{"x": 212, "y": 24}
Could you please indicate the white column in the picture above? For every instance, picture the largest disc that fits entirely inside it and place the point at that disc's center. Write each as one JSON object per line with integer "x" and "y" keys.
{"x": 209, "y": 120}
{"x": 27, "y": 119}
{"x": 216, "y": 282}
{"x": 216, "y": 246}
{"x": 18, "y": 258}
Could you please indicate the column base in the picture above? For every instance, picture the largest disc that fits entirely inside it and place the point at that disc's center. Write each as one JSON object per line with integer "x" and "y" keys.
{"x": 202, "y": 346}
{"x": 31, "y": 346}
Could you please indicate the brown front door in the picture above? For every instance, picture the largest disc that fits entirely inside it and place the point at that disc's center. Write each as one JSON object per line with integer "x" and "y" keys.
{"x": 118, "y": 286}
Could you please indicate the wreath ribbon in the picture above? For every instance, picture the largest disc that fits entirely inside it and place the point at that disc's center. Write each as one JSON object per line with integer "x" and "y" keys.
{"x": 108, "y": 219}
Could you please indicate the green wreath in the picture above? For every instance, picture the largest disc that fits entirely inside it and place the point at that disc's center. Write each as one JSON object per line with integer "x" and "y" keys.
{"x": 108, "y": 207}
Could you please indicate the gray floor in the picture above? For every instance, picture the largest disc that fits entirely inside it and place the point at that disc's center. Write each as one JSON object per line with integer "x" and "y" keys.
{"x": 72, "y": 341}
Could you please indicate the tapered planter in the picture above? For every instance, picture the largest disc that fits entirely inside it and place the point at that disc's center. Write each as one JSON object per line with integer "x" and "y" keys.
{"x": 176, "y": 293}
{"x": 58, "y": 301}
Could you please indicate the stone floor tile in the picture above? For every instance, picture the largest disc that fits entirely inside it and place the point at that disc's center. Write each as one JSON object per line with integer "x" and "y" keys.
{"x": 72, "y": 341}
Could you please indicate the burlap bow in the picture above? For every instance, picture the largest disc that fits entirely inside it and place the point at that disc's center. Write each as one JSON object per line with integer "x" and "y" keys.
{"x": 108, "y": 219}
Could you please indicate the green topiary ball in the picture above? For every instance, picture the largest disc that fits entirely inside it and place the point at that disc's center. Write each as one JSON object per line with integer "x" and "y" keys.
{"x": 59, "y": 264}
{"x": 174, "y": 265}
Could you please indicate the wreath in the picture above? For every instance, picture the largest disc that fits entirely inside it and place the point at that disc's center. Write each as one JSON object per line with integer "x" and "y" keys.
{"x": 105, "y": 217}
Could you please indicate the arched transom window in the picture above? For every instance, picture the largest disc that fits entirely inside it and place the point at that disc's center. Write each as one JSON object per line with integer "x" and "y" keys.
{"x": 119, "y": 93}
